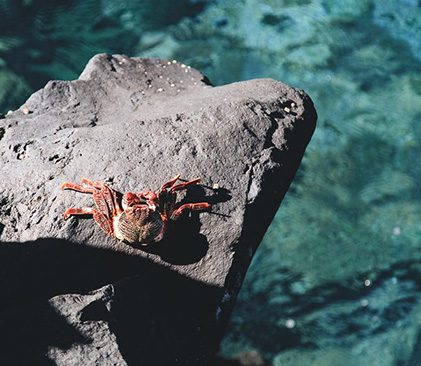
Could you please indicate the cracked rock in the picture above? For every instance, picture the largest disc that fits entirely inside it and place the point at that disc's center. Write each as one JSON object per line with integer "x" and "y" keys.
{"x": 73, "y": 295}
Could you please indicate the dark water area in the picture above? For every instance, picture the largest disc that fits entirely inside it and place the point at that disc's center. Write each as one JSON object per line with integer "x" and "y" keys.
{"x": 337, "y": 278}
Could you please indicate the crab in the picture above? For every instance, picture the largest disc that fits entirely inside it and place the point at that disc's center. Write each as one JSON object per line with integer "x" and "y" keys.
{"x": 144, "y": 217}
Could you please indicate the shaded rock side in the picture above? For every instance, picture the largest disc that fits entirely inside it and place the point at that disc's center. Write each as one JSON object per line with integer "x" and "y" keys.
{"x": 73, "y": 295}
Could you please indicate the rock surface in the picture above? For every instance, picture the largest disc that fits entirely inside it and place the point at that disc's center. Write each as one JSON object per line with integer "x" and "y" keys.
{"x": 72, "y": 295}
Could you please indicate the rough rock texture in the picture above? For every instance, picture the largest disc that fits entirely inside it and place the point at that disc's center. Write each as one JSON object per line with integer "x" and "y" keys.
{"x": 72, "y": 295}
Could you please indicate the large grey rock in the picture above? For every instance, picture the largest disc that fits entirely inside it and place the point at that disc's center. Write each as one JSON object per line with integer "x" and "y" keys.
{"x": 72, "y": 295}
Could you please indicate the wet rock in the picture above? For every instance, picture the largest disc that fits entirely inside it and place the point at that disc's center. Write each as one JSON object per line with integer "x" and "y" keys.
{"x": 244, "y": 358}
{"x": 73, "y": 295}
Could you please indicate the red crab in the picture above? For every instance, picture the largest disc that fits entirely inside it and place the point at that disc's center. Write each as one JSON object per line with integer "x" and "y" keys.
{"x": 143, "y": 223}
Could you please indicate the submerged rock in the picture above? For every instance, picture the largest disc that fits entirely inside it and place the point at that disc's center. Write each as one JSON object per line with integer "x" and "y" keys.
{"x": 73, "y": 295}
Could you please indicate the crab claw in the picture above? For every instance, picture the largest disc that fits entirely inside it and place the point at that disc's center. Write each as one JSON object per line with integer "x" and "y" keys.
{"x": 130, "y": 199}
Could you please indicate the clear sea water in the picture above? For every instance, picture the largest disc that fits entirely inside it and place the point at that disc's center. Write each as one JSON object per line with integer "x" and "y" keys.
{"x": 337, "y": 279}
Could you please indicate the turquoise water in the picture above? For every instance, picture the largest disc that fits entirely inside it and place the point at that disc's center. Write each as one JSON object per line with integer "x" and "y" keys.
{"x": 337, "y": 279}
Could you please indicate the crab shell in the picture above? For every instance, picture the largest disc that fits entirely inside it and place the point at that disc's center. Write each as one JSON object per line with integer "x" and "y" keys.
{"x": 139, "y": 224}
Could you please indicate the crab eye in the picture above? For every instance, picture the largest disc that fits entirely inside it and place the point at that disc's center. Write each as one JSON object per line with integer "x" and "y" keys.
{"x": 130, "y": 199}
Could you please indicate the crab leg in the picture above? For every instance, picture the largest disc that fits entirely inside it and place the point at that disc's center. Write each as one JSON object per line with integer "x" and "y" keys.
{"x": 105, "y": 194}
{"x": 104, "y": 223}
{"x": 169, "y": 184}
{"x": 202, "y": 206}
{"x": 93, "y": 183}
{"x": 185, "y": 185}
{"x": 79, "y": 211}
{"x": 116, "y": 206}
{"x": 106, "y": 201}
{"x": 99, "y": 217}
{"x": 83, "y": 188}
{"x": 104, "y": 197}
{"x": 78, "y": 187}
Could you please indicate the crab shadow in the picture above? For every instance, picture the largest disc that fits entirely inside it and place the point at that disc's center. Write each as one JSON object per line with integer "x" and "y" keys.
{"x": 184, "y": 244}
{"x": 152, "y": 311}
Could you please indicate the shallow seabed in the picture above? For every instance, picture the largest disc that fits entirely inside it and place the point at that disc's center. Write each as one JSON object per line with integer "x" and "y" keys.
{"x": 337, "y": 279}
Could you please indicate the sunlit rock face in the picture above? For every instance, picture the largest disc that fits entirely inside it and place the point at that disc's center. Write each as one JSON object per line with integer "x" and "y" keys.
{"x": 73, "y": 295}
